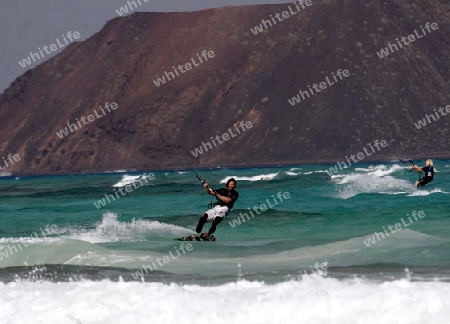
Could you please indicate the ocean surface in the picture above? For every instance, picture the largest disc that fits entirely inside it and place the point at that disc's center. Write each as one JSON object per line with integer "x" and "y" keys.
{"x": 300, "y": 246}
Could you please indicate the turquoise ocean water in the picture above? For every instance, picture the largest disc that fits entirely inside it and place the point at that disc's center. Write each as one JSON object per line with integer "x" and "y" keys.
{"x": 360, "y": 246}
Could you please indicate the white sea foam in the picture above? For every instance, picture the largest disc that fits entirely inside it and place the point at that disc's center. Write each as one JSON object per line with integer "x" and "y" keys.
{"x": 317, "y": 171}
{"x": 305, "y": 173}
{"x": 143, "y": 179}
{"x": 126, "y": 180}
{"x": 264, "y": 177}
{"x": 380, "y": 170}
{"x": 110, "y": 229}
{"x": 313, "y": 299}
{"x": 377, "y": 179}
{"x": 28, "y": 239}
{"x": 374, "y": 179}
{"x": 423, "y": 192}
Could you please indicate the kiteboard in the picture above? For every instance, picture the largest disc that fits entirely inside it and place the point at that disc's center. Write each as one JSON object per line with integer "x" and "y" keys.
{"x": 201, "y": 237}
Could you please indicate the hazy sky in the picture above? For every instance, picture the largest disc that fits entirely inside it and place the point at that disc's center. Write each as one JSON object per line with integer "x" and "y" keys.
{"x": 26, "y": 25}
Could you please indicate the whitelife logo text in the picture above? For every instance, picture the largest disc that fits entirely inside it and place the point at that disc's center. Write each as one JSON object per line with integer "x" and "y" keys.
{"x": 49, "y": 49}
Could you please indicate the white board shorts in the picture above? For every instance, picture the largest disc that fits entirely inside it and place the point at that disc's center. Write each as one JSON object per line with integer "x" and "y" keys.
{"x": 217, "y": 211}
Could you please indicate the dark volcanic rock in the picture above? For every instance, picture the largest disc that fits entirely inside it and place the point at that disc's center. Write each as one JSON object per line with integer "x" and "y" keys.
{"x": 250, "y": 78}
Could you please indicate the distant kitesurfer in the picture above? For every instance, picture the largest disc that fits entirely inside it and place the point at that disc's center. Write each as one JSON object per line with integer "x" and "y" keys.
{"x": 226, "y": 197}
{"x": 429, "y": 173}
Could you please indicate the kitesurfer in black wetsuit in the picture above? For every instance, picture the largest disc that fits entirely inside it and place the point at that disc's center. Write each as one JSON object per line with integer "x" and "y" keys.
{"x": 226, "y": 197}
{"x": 429, "y": 173}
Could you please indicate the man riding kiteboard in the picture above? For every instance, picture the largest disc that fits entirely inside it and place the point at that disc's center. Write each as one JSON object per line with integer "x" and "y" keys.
{"x": 429, "y": 173}
{"x": 226, "y": 197}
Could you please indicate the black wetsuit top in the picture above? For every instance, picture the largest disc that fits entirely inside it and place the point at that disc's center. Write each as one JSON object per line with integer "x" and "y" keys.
{"x": 429, "y": 172}
{"x": 428, "y": 177}
{"x": 233, "y": 194}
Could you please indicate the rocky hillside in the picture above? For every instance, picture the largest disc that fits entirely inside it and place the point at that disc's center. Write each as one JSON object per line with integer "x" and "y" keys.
{"x": 244, "y": 75}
